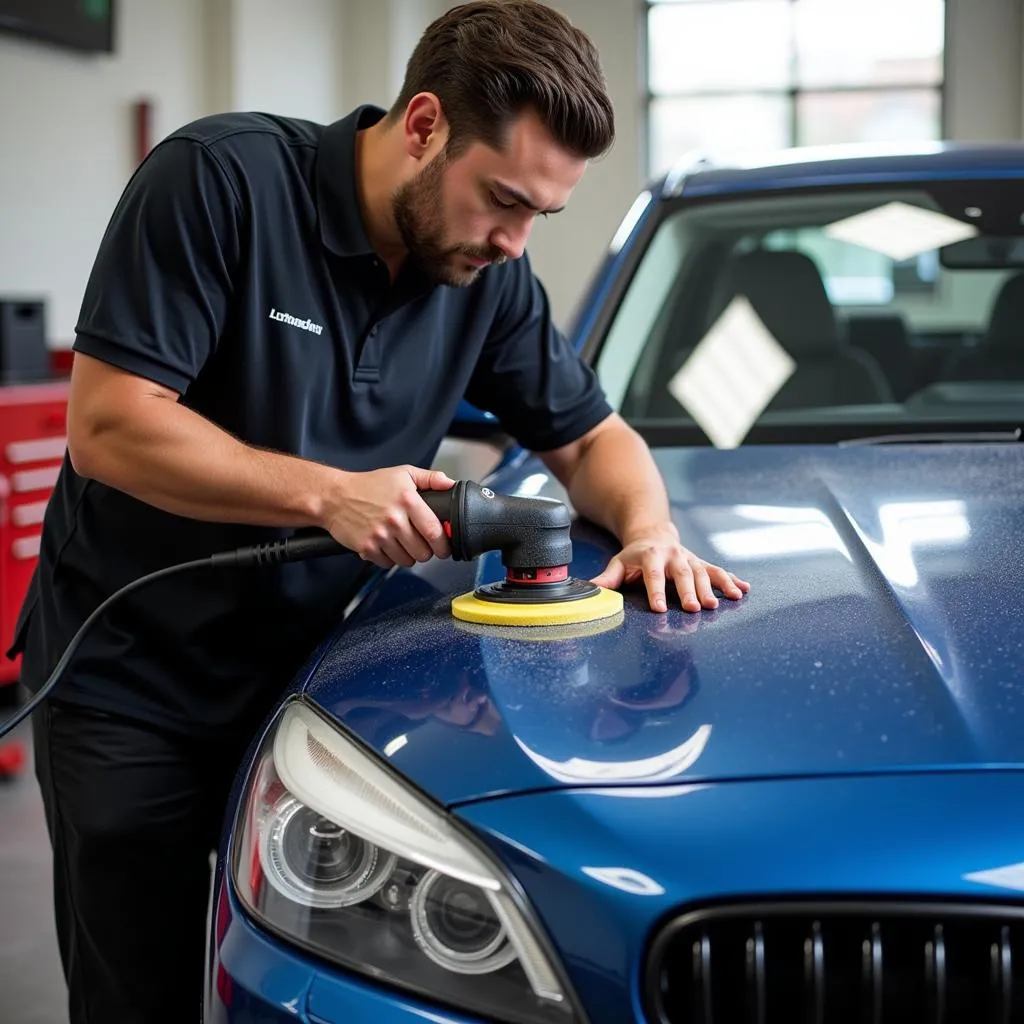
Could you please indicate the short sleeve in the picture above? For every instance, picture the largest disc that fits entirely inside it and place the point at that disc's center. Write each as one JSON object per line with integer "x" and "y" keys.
{"x": 160, "y": 287}
{"x": 529, "y": 376}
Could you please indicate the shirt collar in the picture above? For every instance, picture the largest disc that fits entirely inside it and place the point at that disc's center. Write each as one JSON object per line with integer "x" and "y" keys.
{"x": 341, "y": 223}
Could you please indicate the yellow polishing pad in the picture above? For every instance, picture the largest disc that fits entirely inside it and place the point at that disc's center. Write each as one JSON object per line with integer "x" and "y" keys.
{"x": 603, "y": 604}
{"x": 543, "y": 634}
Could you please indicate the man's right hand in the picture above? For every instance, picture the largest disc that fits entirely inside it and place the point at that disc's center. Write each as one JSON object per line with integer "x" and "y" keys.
{"x": 382, "y": 518}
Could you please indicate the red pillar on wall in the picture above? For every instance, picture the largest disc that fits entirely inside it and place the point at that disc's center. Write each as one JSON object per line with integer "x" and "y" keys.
{"x": 142, "y": 111}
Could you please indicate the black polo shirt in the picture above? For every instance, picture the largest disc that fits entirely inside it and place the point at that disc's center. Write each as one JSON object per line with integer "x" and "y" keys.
{"x": 236, "y": 270}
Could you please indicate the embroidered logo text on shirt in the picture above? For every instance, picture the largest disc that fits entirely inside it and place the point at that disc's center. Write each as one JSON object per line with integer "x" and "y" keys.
{"x": 294, "y": 321}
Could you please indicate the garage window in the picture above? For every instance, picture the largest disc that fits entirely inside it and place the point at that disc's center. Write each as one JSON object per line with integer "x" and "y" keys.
{"x": 741, "y": 75}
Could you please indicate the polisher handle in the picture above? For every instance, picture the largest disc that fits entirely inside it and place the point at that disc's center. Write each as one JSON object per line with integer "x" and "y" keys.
{"x": 440, "y": 503}
{"x": 317, "y": 543}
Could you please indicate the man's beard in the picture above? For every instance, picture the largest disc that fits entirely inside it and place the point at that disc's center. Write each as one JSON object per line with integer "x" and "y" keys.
{"x": 417, "y": 209}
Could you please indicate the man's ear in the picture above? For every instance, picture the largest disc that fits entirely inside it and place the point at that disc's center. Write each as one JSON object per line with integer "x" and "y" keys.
{"x": 425, "y": 128}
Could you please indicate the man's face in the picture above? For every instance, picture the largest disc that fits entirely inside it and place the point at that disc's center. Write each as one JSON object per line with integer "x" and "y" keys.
{"x": 458, "y": 216}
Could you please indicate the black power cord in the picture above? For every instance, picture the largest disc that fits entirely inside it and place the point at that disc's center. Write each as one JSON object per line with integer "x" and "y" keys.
{"x": 292, "y": 549}
{"x": 530, "y": 532}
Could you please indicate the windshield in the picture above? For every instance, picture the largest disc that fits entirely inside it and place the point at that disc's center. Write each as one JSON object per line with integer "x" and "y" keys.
{"x": 826, "y": 314}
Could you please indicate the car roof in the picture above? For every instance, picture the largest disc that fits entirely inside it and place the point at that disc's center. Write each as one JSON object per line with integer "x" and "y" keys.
{"x": 809, "y": 167}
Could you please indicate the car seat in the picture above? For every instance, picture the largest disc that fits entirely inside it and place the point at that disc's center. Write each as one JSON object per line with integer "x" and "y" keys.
{"x": 787, "y": 292}
{"x": 1000, "y": 353}
{"x": 883, "y": 336}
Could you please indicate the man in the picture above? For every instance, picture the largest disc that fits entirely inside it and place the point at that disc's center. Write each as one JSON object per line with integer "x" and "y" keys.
{"x": 280, "y": 323}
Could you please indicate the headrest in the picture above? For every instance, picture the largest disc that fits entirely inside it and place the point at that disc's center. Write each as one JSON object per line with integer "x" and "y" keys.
{"x": 788, "y": 294}
{"x": 1006, "y": 321}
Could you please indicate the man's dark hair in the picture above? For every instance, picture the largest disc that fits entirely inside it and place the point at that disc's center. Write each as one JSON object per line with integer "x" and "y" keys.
{"x": 488, "y": 61}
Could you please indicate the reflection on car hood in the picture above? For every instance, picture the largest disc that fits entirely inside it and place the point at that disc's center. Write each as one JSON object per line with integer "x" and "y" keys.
{"x": 884, "y": 631}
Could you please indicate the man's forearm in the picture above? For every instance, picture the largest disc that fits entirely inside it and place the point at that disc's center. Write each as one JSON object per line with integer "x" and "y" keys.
{"x": 169, "y": 456}
{"x": 617, "y": 485}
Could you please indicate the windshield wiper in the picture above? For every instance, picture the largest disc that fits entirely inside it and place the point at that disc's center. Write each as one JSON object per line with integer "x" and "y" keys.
{"x": 940, "y": 437}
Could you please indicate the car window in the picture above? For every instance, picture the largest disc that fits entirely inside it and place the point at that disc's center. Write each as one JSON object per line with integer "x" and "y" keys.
{"x": 902, "y": 306}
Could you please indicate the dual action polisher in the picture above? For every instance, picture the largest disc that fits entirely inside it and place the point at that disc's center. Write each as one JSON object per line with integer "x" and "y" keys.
{"x": 532, "y": 535}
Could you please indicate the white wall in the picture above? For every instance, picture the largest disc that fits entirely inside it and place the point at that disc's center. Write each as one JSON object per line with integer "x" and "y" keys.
{"x": 378, "y": 38}
{"x": 66, "y": 141}
{"x": 984, "y": 73}
{"x": 66, "y": 136}
{"x": 287, "y": 63}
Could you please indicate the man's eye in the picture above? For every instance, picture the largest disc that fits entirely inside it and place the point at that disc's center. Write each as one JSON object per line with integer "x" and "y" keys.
{"x": 497, "y": 202}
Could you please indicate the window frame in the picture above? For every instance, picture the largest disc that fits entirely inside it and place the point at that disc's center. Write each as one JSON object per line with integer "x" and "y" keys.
{"x": 791, "y": 94}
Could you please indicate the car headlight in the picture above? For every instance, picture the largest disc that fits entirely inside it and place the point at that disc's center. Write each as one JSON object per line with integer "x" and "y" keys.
{"x": 335, "y": 852}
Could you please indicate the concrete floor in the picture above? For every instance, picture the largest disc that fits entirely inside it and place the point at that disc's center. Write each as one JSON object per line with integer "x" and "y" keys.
{"x": 31, "y": 984}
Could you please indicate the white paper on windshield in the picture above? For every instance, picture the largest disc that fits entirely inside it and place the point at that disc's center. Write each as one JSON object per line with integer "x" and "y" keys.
{"x": 900, "y": 230}
{"x": 734, "y": 372}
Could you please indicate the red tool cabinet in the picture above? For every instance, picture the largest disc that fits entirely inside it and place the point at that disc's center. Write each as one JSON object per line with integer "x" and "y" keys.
{"x": 33, "y": 438}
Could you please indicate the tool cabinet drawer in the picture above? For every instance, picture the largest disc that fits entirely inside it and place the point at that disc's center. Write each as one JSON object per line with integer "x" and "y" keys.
{"x": 33, "y": 441}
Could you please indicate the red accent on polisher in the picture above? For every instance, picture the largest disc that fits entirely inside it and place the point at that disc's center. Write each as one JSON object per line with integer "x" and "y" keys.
{"x": 531, "y": 577}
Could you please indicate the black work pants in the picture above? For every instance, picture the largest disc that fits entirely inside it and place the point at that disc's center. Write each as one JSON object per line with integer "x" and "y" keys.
{"x": 132, "y": 814}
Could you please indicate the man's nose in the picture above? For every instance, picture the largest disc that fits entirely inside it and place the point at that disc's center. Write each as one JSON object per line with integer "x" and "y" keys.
{"x": 512, "y": 240}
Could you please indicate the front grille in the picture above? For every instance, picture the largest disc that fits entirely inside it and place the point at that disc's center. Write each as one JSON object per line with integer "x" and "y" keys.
{"x": 838, "y": 963}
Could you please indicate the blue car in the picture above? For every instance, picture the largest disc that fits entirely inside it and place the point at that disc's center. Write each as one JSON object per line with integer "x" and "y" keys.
{"x": 804, "y": 806}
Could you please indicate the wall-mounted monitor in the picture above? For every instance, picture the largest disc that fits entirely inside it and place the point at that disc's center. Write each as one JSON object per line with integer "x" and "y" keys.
{"x": 85, "y": 25}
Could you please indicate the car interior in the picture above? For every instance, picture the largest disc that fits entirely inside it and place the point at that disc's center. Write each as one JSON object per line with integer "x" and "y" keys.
{"x": 869, "y": 335}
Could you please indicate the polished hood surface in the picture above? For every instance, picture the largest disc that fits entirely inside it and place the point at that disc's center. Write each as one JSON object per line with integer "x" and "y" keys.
{"x": 884, "y": 632}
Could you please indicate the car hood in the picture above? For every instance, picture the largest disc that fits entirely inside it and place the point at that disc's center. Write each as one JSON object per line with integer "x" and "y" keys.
{"x": 884, "y": 632}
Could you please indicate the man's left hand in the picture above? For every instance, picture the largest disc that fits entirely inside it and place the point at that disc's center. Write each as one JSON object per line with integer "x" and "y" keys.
{"x": 658, "y": 557}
